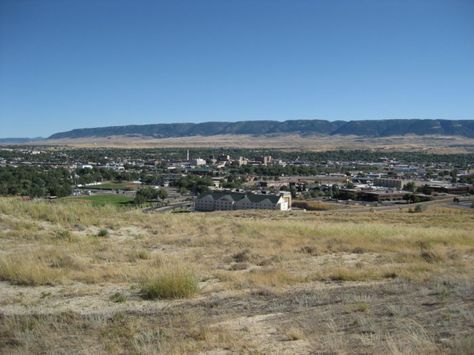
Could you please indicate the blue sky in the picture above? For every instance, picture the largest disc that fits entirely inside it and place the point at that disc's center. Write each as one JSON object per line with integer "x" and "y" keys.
{"x": 86, "y": 63}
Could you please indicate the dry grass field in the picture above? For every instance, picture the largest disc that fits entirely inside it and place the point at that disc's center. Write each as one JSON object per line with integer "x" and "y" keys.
{"x": 75, "y": 278}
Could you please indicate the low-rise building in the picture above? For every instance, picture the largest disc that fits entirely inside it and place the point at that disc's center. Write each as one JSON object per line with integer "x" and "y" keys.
{"x": 392, "y": 183}
{"x": 198, "y": 162}
{"x": 227, "y": 200}
{"x": 372, "y": 195}
{"x": 457, "y": 189}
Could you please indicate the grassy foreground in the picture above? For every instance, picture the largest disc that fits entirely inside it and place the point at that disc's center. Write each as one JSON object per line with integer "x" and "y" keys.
{"x": 260, "y": 282}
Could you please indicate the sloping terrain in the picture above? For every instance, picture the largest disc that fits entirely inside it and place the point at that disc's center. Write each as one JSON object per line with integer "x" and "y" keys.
{"x": 73, "y": 278}
{"x": 367, "y": 128}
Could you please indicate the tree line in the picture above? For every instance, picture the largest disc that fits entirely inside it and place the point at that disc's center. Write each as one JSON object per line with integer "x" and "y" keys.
{"x": 34, "y": 181}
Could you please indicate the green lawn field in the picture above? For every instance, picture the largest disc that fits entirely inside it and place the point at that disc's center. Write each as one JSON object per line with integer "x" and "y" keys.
{"x": 102, "y": 200}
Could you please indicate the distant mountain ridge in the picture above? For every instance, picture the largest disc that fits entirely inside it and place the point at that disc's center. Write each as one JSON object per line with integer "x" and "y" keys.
{"x": 20, "y": 140}
{"x": 366, "y": 128}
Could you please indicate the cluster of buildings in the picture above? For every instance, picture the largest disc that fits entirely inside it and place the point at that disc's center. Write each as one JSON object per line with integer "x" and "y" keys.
{"x": 390, "y": 189}
{"x": 382, "y": 180}
{"x": 220, "y": 161}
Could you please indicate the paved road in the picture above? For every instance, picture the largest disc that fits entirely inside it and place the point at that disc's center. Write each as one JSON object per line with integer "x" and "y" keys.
{"x": 442, "y": 201}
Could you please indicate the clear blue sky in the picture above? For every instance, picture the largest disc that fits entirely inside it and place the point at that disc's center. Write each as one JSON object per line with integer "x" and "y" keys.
{"x": 86, "y": 63}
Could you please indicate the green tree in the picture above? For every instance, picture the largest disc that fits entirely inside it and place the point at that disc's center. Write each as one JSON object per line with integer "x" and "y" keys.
{"x": 162, "y": 194}
{"x": 454, "y": 175}
{"x": 145, "y": 194}
{"x": 140, "y": 199}
{"x": 410, "y": 186}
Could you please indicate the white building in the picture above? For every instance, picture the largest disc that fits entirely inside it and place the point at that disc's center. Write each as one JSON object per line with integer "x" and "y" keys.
{"x": 222, "y": 201}
{"x": 198, "y": 162}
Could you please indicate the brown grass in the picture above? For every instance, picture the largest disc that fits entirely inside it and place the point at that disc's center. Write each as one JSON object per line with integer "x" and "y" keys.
{"x": 27, "y": 270}
{"x": 173, "y": 281}
{"x": 313, "y": 205}
{"x": 248, "y": 264}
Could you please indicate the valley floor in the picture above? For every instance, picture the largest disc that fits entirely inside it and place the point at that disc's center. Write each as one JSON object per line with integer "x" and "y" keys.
{"x": 292, "y": 142}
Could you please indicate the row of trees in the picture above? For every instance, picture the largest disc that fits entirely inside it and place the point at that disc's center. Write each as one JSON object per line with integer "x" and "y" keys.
{"x": 34, "y": 182}
{"x": 276, "y": 170}
{"x": 195, "y": 184}
{"x": 41, "y": 182}
{"x": 149, "y": 194}
{"x": 87, "y": 175}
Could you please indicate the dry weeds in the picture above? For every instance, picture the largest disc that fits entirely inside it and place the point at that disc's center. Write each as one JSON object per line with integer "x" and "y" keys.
{"x": 260, "y": 281}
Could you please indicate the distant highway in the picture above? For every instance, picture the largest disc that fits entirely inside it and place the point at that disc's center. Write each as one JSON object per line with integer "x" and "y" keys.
{"x": 442, "y": 201}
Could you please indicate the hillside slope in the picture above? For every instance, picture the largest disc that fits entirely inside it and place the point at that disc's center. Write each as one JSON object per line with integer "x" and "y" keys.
{"x": 368, "y": 128}
{"x": 234, "y": 282}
